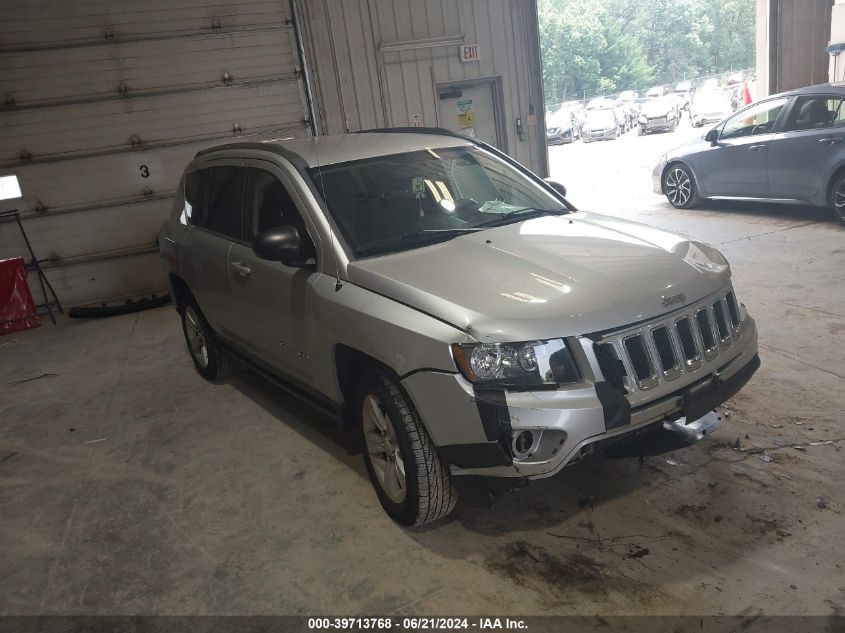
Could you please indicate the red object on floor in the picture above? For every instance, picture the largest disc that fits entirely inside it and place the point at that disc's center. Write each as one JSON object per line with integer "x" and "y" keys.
{"x": 17, "y": 309}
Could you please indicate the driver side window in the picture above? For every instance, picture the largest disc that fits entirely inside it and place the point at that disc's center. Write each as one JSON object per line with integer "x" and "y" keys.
{"x": 758, "y": 119}
{"x": 269, "y": 205}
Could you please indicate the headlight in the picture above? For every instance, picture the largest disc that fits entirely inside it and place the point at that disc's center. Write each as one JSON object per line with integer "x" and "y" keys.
{"x": 671, "y": 115}
{"x": 643, "y": 119}
{"x": 521, "y": 365}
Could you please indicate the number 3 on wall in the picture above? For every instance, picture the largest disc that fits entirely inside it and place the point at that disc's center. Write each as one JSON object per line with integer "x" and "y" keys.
{"x": 145, "y": 171}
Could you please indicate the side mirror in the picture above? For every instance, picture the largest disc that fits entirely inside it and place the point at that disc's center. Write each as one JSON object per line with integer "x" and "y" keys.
{"x": 280, "y": 244}
{"x": 554, "y": 184}
{"x": 712, "y": 136}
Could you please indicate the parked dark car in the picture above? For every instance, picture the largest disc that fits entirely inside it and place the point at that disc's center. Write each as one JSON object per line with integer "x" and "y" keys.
{"x": 787, "y": 148}
{"x": 561, "y": 127}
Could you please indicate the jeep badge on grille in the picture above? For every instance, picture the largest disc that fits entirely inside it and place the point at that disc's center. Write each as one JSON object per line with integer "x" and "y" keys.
{"x": 673, "y": 300}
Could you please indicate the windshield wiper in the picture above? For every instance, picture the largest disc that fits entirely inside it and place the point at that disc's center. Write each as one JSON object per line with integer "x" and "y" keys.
{"x": 456, "y": 231}
{"x": 423, "y": 237}
{"x": 524, "y": 213}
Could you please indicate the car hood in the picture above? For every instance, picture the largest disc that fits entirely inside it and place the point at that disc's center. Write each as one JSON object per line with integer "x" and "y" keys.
{"x": 547, "y": 277}
{"x": 655, "y": 109}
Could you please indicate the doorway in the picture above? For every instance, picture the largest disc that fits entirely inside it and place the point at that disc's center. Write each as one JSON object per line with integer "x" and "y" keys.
{"x": 470, "y": 109}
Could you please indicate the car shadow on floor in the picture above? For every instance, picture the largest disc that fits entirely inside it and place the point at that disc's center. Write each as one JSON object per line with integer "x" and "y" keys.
{"x": 303, "y": 418}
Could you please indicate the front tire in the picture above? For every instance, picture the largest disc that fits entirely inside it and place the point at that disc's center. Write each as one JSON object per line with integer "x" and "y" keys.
{"x": 210, "y": 359}
{"x": 837, "y": 198}
{"x": 413, "y": 484}
{"x": 679, "y": 186}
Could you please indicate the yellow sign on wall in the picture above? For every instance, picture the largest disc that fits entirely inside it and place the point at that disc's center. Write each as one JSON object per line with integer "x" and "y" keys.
{"x": 466, "y": 119}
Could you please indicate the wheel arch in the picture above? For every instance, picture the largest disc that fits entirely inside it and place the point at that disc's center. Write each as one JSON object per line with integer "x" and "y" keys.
{"x": 349, "y": 364}
{"x": 835, "y": 175}
{"x": 179, "y": 290}
{"x": 679, "y": 161}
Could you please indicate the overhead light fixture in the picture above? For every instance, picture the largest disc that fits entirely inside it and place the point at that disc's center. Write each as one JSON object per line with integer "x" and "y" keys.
{"x": 10, "y": 188}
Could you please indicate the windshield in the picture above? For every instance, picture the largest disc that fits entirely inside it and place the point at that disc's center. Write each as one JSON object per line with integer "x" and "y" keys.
{"x": 601, "y": 117}
{"x": 712, "y": 100}
{"x": 657, "y": 107}
{"x": 402, "y": 201}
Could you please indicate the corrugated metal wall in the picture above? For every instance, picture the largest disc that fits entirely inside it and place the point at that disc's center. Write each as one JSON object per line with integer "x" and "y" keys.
{"x": 377, "y": 62}
{"x": 791, "y": 39}
{"x": 104, "y": 104}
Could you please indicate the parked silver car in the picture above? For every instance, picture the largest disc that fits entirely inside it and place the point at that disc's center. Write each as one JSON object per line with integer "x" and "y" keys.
{"x": 601, "y": 125}
{"x": 709, "y": 106}
{"x": 454, "y": 308}
{"x": 786, "y": 148}
{"x": 660, "y": 114}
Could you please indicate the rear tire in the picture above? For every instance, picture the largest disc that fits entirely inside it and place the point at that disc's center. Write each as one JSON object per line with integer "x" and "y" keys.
{"x": 837, "y": 198}
{"x": 210, "y": 359}
{"x": 413, "y": 484}
{"x": 679, "y": 186}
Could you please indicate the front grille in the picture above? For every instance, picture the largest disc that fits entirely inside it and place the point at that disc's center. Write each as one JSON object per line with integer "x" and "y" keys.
{"x": 705, "y": 328}
{"x": 641, "y": 357}
{"x": 721, "y": 322}
{"x": 611, "y": 366}
{"x": 665, "y": 349}
{"x": 733, "y": 308}
{"x": 689, "y": 348}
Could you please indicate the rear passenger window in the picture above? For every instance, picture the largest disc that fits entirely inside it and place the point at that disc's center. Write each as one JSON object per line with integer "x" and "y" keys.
{"x": 814, "y": 113}
{"x": 224, "y": 200}
{"x": 192, "y": 209}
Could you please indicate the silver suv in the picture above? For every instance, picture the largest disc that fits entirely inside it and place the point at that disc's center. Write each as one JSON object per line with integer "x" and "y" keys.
{"x": 454, "y": 308}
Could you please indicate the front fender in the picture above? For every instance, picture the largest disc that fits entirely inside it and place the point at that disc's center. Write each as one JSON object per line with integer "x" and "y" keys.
{"x": 398, "y": 336}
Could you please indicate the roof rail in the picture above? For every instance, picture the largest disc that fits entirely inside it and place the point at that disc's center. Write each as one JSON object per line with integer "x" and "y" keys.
{"x": 244, "y": 145}
{"x": 439, "y": 131}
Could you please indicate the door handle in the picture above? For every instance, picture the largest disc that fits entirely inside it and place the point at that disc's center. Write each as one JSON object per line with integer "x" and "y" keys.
{"x": 831, "y": 140}
{"x": 755, "y": 148}
{"x": 242, "y": 270}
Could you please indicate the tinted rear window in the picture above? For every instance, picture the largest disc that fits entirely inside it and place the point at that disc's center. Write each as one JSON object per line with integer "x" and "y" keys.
{"x": 224, "y": 200}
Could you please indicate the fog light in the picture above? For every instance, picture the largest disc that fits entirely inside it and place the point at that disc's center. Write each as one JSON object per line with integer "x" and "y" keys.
{"x": 522, "y": 443}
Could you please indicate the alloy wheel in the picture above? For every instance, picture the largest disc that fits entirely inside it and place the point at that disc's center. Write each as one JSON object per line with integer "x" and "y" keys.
{"x": 839, "y": 201}
{"x": 196, "y": 337}
{"x": 679, "y": 187}
{"x": 383, "y": 449}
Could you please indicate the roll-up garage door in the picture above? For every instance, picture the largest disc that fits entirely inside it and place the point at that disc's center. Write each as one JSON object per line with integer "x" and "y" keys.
{"x": 103, "y": 102}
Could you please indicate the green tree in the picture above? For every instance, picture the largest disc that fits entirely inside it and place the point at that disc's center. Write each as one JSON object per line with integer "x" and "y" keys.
{"x": 604, "y": 46}
{"x": 570, "y": 36}
{"x": 622, "y": 60}
{"x": 730, "y": 36}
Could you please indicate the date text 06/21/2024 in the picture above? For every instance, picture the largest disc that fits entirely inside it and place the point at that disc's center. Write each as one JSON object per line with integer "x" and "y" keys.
{"x": 417, "y": 624}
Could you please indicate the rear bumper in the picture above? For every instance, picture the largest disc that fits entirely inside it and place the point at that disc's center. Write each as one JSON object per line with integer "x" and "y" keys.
{"x": 658, "y": 126}
{"x": 709, "y": 117}
{"x": 598, "y": 136}
{"x": 563, "y": 137}
{"x": 474, "y": 429}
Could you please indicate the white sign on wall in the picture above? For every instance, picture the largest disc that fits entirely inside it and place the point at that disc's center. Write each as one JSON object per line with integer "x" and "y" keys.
{"x": 469, "y": 53}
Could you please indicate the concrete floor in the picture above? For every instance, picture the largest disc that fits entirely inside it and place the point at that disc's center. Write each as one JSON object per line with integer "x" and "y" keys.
{"x": 130, "y": 485}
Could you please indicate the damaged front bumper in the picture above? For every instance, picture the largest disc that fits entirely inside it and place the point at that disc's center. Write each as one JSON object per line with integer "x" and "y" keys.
{"x": 478, "y": 433}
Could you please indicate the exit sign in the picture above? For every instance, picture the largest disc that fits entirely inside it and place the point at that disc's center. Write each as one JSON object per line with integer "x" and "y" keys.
{"x": 469, "y": 53}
